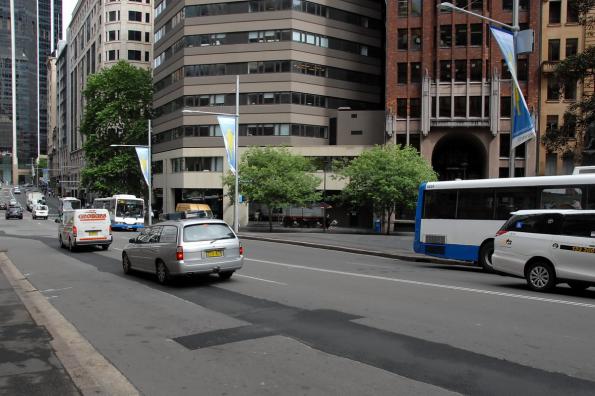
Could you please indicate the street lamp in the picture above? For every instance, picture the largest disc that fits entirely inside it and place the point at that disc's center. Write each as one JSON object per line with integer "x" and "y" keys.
{"x": 514, "y": 28}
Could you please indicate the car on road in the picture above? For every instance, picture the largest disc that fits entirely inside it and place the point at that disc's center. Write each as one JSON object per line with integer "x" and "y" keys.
{"x": 40, "y": 212}
{"x": 16, "y": 190}
{"x": 3, "y": 206}
{"x": 13, "y": 202}
{"x": 185, "y": 247}
{"x": 13, "y": 212}
{"x": 82, "y": 227}
{"x": 548, "y": 247}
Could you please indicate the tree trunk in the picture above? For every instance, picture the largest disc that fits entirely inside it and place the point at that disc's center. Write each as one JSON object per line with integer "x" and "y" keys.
{"x": 270, "y": 218}
{"x": 389, "y": 214}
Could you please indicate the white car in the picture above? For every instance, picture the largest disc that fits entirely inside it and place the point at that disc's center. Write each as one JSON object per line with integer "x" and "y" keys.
{"x": 39, "y": 212}
{"x": 16, "y": 190}
{"x": 547, "y": 247}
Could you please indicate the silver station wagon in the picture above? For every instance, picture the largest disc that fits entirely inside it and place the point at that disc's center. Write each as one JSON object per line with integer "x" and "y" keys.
{"x": 185, "y": 247}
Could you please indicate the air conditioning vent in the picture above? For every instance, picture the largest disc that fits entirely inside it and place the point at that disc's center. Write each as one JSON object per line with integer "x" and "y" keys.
{"x": 436, "y": 239}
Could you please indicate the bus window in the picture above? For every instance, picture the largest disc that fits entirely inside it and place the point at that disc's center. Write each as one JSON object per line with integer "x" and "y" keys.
{"x": 508, "y": 201}
{"x": 561, "y": 198}
{"x": 440, "y": 204}
{"x": 590, "y": 198}
{"x": 476, "y": 204}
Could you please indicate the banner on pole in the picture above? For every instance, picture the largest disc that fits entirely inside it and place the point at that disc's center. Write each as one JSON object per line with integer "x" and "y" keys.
{"x": 228, "y": 130}
{"x": 143, "y": 159}
{"x": 523, "y": 128}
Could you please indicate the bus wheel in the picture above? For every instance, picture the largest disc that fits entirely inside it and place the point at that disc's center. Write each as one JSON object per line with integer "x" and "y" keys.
{"x": 485, "y": 256}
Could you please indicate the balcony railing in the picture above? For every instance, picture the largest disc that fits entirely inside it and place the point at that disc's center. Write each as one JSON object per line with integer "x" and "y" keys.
{"x": 549, "y": 67}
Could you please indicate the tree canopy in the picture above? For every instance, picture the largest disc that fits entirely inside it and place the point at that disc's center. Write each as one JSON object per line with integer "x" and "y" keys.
{"x": 386, "y": 177}
{"x": 118, "y": 106}
{"x": 276, "y": 178}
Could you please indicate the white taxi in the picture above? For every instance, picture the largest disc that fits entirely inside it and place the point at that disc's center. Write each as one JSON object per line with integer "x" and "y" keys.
{"x": 40, "y": 212}
{"x": 547, "y": 247}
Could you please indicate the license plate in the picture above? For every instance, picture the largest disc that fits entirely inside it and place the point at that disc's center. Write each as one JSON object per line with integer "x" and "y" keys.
{"x": 214, "y": 253}
{"x": 93, "y": 233}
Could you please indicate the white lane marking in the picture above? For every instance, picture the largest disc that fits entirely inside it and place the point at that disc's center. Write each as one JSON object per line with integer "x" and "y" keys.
{"x": 55, "y": 290}
{"x": 437, "y": 285}
{"x": 263, "y": 280}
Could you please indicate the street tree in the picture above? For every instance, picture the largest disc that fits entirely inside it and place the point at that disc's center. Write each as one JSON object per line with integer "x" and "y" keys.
{"x": 118, "y": 104}
{"x": 276, "y": 178}
{"x": 577, "y": 133}
{"x": 386, "y": 177}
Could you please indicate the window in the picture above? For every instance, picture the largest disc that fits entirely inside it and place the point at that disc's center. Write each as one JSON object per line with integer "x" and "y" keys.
{"x": 477, "y": 5}
{"x": 461, "y": 70}
{"x": 445, "y": 36}
{"x": 112, "y": 35}
{"x": 415, "y": 72}
{"x": 402, "y": 8}
{"x": 555, "y": 12}
{"x": 553, "y": 50}
{"x": 415, "y": 39}
{"x": 505, "y": 70}
{"x": 476, "y": 34}
{"x": 401, "y": 108}
{"x": 416, "y": 7}
{"x": 134, "y": 35}
{"x": 553, "y": 89}
{"x": 415, "y": 107}
{"x": 561, "y": 198}
{"x": 505, "y": 106}
{"x": 147, "y": 37}
{"x": 147, "y": 17}
{"x": 476, "y": 69}
{"x": 523, "y": 5}
{"x": 440, "y": 204}
{"x": 135, "y": 16}
{"x": 357, "y": 133}
{"x": 112, "y": 16}
{"x": 445, "y": 70}
{"x": 570, "y": 90}
{"x": 571, "y": 12}
{"x": 111, "y": 55}
{"x": 134, "y": 55}
{"x": 157, "y": 167}
{"x": 169, "y": 234}
{"x": 147, "y": 56}
{"x": 402, "y": 39}
{"x": 591, "y": 198}
{"x": 474, "y": 106}
{"x": 551, "y": 164}
{"x": 460, "y": 106}
{"x": 444, "y": 104}
{"x": 460, "y": 34}
{"x": 402, "y": 73}
{"x": 571, "y": 46}
{"x": 508, "y": 201}
{"x": 551, "y": 124}
{"x": 475, "y": 204}
{"x": 579, "y": 226}
{"x": 461, "y": 3}
{"x": 522, "y": 69}
{"x": 535, "y": 224}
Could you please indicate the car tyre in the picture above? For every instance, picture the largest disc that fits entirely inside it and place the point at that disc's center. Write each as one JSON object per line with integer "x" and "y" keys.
{"x": 61, "y": 241}
{"x": 162, "y": 273}
{"x": 105, "y": 247}
{"x": 71, "y": 245}
{"x": 225, "y": 275}
{"x": 126, "y": 265}
{"x": 540, "y": 276}
{"x": 578, "y": 285}
{"x": 486, "y": 252}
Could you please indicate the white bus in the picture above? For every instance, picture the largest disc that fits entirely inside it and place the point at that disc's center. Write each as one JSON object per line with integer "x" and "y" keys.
{"x": 126, "y": 211}
{"x": 459, "y": 219}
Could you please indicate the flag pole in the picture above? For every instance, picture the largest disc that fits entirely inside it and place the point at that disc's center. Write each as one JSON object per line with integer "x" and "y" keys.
{"x": 236, "y": 209}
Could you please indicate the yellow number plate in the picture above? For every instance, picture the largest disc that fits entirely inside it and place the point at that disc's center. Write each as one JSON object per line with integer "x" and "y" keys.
{"x": 93, "y": 233}
{"x": 215, "y": 253}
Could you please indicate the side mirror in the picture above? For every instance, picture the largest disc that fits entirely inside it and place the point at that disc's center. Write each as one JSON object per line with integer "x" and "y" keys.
{"x": 132, "y": 240}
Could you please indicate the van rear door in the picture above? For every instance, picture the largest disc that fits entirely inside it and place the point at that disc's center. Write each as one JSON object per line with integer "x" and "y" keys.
{"x": 93, "y": 225}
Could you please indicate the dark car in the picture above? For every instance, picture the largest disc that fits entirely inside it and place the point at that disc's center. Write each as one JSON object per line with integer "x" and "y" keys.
{"x": 14, "y": 212}
{"x": 3, "y": 205}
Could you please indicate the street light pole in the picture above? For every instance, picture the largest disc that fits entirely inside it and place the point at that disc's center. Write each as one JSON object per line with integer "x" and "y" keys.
{"x": 15, "y": 161}
{"x": 236, "y": 204}
{"x": 150, "y": 181}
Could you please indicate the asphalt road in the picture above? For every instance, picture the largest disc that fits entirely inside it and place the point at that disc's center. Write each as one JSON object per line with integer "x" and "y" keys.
{"x": 298, "y": 320}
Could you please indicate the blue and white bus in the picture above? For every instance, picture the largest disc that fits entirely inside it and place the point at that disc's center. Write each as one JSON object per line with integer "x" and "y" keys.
{"x": 459, "y": 219}
{"x": 126, "y": 211}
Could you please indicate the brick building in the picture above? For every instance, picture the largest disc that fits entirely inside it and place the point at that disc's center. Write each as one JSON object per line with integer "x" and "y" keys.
{"x": 448, "y": 90}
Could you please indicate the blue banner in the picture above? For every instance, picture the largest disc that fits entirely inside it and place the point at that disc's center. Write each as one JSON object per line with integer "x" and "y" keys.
{"x": 228, "y": 129}
{"x": 523, "y": 128}
{"x": 143, "y": 159}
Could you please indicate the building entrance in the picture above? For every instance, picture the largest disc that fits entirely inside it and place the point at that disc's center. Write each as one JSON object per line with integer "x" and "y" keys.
{"x": 457, "y": 156}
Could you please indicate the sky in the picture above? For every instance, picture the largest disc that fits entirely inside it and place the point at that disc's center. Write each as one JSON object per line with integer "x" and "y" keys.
{"x": 67, "y": 7}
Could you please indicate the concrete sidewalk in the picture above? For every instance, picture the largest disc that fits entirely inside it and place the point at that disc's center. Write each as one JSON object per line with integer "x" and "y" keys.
{"x": 28, "y": 364}
{"x": 398, "y": 246}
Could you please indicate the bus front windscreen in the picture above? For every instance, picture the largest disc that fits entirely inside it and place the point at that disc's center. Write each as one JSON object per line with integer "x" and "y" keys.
{"x": 129, "y": 208}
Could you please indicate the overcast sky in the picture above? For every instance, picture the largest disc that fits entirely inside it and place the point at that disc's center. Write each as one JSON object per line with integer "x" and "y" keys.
{"x": 67, "y": 7}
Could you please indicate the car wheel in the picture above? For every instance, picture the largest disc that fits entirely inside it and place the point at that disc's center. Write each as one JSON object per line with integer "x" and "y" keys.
{"x": 225, "y": 275}
{"x": 126, "y": 266}
{"x": 71, "y": 245}
{"x": 61, "y": 241}
{"x": 33, "y": 217}
{"x": 578, "y": 285}
{"x": 540, "y": 276}
{"x": 162, "y": 273}
{"x": 105, "y": 247}
{"x": 485, "y": 256}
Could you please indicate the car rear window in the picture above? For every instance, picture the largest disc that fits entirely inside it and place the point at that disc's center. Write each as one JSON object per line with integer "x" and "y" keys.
{"x": 42, "y": 207}
{"x": 207, "y": 232}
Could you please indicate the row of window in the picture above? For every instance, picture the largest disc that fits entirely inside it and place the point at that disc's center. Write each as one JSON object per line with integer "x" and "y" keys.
{"x": 160, "y": 8}
{"x": 463, "y": 34}
{"x": 553, "y": 48}
{"x": 169, "y": 25}
{"x": 133, "y": 55}
{"x": 498, "y": 203}
{"x": 315, "y": 131}
{"x": 133, "y": 35}
{"x": 196, "y": 164}
{"x": 241, "y": 7}
{"x": 460, "y": 106}
{"x": 555, "y": 12}
{"x": 262, "y": 98}
{"x": 133, "y": 16}
{"x": 555, "y": 90}
{"x": 282, "y": 66}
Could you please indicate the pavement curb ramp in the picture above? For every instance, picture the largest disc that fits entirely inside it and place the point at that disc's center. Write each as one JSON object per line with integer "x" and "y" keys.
{"x": 89, "y": 370}
{"x": 397, "y": 256}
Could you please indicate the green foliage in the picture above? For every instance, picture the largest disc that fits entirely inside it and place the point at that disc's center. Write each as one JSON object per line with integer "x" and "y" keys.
{"x": 276, "y": 178}
{"x": 386, "y": 177}
{"x": 118, "y": 107}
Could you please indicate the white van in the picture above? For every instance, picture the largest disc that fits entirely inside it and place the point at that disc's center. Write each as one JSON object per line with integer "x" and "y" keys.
{"x": 85, "y": 227}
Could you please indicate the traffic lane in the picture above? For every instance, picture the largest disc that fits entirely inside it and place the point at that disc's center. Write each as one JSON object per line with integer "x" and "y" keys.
{"x": 498, "y": 318}
{"x": 132, "y": 321}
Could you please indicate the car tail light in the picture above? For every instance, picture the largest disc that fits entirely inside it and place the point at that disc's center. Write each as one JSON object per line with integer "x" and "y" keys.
{"x": 241, "y": 250}
{"x": 74, "y": 231}
{"x": 501, "y": 232}
{"x": 110, "y": 230}
{"x": 180, "y": 253}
